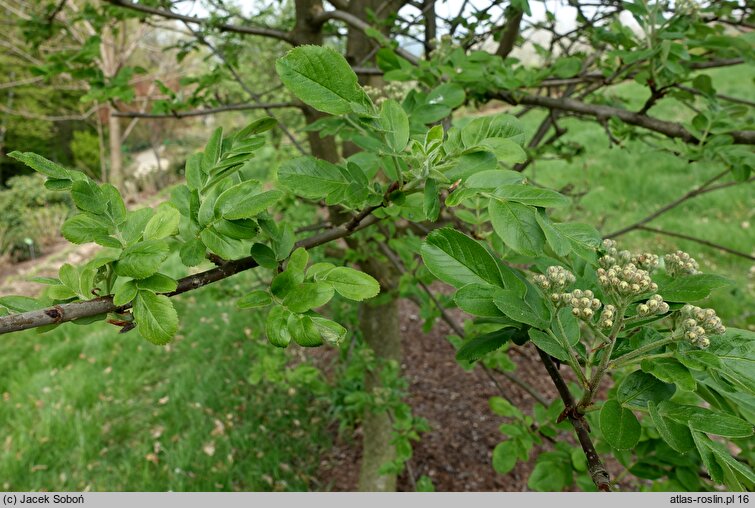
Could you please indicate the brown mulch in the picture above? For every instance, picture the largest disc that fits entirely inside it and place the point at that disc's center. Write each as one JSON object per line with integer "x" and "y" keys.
{"x": 456, "y": 453}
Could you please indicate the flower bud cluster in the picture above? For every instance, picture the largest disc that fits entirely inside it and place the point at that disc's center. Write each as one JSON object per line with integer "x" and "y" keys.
{"x": 555, "y": 279}
{"x": 583, "y": 303}
{"x": 655, "y": 305}
{"x": 627, "y": 280}
{"x": 698, "y": 323}
{"x": 607, "y": 316}
{"x": 646, "y": 261}
{"x": 680, "y": 263}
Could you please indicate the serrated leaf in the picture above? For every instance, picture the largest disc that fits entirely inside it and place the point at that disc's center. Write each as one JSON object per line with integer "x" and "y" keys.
{"x": 246, "y": 206}
{"x": 691, "y": 288}
{"x": 477, "y": 347}
{"x": 322, "y": 78}
{"x": 517, "y": 227}
{"x": 677, "y": 436}
{"x": 638, "y": 388}
{"x": 158, "y": 283}
{"x": 352, "y": 284}
{"x": 477, "y": 299}
{"x": 548, "y": 344}
{"x": 330, "y": 331}
{"x": 42, "y": 165}
{"x": 431, "y": 201}
{"x": 156, "y": 318}
{"x": 312, "y": 178}
{"x": 395, "y": 123}
{"x": 670, "y": 371}
{"x": 142, "y": 259}
{"x": 125, "y": 293}
{"x": 308, "y": 295}
{"x": 211, "y": 154}
{"x": 619, "y": 426}
{"x": 193, "y": 252}
{"x": 458, "y": 260}
{"x": 84, "y": 228}
{"x": 254, "y": 299}
{"x": 88, "y": 196}
{"x": 163, "y": 224}
{"x": 531, "y": 311}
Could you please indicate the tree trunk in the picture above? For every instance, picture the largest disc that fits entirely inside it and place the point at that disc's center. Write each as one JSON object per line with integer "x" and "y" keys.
{"x": 379, "y": 324}
{"x": 116, "y": 156}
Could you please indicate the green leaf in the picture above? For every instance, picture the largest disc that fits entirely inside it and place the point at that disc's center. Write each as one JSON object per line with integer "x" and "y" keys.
{"x": 20, "y": 303}
{"x": 502, "y": 407}
{"x": 638, "y": 388}
{"x": 143, "y": 259}
{"x": 84, "y": 228}
{"x": 495, "y": 126}
{"x": 193, "y": 252}
{"x": 458, "y": 260}
{"x": 550, "y": 474}
{"x": 721, "y": 424}
{"x": 448, "y": 94}
{"x": 224, "y": 246}
{"x": 88, "y": 196}
{"x": 352, "y": 284}
{"x": 529, "y": 195}
{"x": 714, "y": 469}
{"x": 330, "y": 331}
{"x": 42, "y": 165}
{"x": 240, "y": 229}
{"x": 691, "y": 288}
{"x": 431, "y": 202}
{"x": 724, "y": 458}
{"x": 158, "y": 283}
{"x": 116, "y": 208}
{"x": 517, "y": 226}
{"x": 303, "y": 331}
{"x": 677, "y": 436}
{"x": 276, "y": 327}
{"x": 477, "y": 347}
{"x": 558, "y": 242}
{"x": 136, "y": 222}
{"x": 619, "y": 426}
{"x": 156, "y": 317}
{"x": 505, "y": 150}
{"x": 477, "y": 299}
{"x": 235, "y": 196}
{"x": 395, "y": 123}
{"x": 212, "y": 150}
{"x": 195, "y": 177}
{"x": 245, "y": 206}
{"x": 163, "y": 224}
{"x": 670, "y": 371}
{"x": 69, "y": 276}
{"x": 297, "y": 262}
{"x": 258, "y": 126}
{"x": 125, "y": 293}
{"x": 308, "y": 295}
{"x": 254, "y": 299}
{"x": 322, "y": 78}
{"x": 264, "y": 256}
{"x": 530, "y": 310}
{"x": 504, "y": 456}
{"x": 312, "y": 178}
{"x": 548, "y": 344}
{"x": 584, "y": 239}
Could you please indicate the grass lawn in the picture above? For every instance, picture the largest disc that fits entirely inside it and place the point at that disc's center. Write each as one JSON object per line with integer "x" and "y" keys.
{"x": 86, "y": 408}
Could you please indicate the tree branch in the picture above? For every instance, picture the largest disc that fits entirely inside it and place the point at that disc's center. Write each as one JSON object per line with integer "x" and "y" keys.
{"x": 597, "y": 470}
{"x": 703, "y": 189}
{"x": 223, "y": 27}
{"x": 359, "y": 24}
{"x": 207, "y": 111}
{"x": 670, "y": 129}
{"x": 698, "y": 240}
{"x": 66, "y": 312}
{"x": 510, "y": 32}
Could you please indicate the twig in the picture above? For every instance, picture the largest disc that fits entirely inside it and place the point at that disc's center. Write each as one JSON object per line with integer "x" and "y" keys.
{"x": 207, "y": 111}
{"x": 703, "y": 189}
{"x": 698, "y": 240}
{"x": 597, "y": 470}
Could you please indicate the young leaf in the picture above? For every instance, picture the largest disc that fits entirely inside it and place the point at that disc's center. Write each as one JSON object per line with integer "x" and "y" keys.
{"x": 303, "y": 331}
{"x": 548, "y": 344}
{"x": 248, "y": 206}
{"x": 458, "y": 260}
{"x": 163, "y": 224}
{"x": 308, "y": 295}
{"x": 322, "y": 78}
{"x": 143, "y": 259}
{"x": 212, "y": 150}
{"x": 677, "y": 436}
{"x": 330, "y": 331}
{"x": 84, "y": 228}
{"x": 276, "y": 327}
{"x": 158, "y": 283}
{"x": 264, "y": 256}
{"x": 254, "y": 299}
{"x": 193, "y": 252}
{"x": 42, "y": 165}
{"x": 395, "y": 123}
{"x": 125, "y": 293}
{"x": 504, "y": 456}
{"x": 352, "y": 284}
{"x": 691, "y": 288}
{"x": 619, "y": 425}
{"x": 88, "y": 196}
{"x": 431, "y": 203}
{"x": 156, "y": 317}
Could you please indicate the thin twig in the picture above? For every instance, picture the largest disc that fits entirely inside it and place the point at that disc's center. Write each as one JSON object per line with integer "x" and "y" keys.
{"x": 698, "y": 240}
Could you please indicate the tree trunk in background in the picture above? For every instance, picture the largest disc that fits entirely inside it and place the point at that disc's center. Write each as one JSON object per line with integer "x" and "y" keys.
{"x": 379, "y": 324}
{"x": 115, "y": 175}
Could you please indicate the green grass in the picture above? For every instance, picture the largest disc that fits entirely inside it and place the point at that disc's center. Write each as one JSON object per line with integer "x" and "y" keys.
{"x": 83, "y": 407}
{"x": 622, "y": 186}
